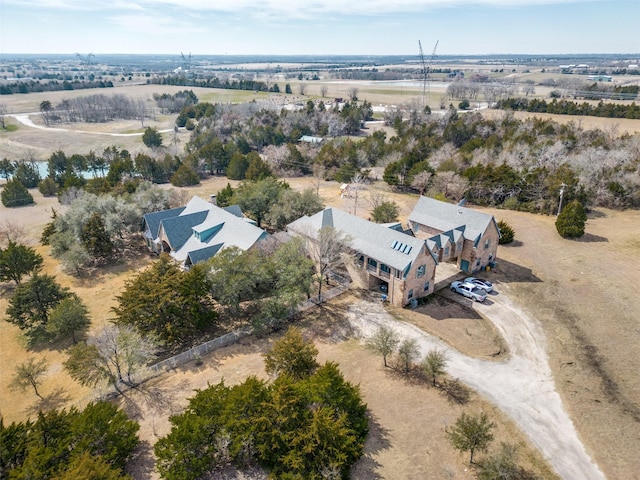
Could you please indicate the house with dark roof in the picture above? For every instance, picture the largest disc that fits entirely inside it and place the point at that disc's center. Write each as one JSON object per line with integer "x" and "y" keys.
{"x": 197, "y": 231}
{"x": 379, "y": 257}
{"x": 456, "y": 234}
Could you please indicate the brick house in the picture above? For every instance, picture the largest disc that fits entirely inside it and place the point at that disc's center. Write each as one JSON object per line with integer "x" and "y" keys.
{"x": 456, "y": 234}
{"x": 380, "y": 257}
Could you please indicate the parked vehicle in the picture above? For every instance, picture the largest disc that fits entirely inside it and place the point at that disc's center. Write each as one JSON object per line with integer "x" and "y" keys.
{"x": 469, "y": 290}
{"x": 486, "y": 285}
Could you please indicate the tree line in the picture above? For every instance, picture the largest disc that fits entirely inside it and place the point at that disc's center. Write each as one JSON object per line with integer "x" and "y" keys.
{"x": 568, "y": 107}
{"x": 214, "y": 82}
{"x": 35, "y": 86}
{"x": 97, "y": 108}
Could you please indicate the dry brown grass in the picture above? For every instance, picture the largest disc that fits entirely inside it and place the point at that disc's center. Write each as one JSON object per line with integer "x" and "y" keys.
{"x": 582, "y": 291}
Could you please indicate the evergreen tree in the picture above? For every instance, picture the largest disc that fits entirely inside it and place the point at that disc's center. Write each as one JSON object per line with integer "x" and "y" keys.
{"x": 386, "y": 212}
{"x": 95, "y": 238}
{"x": 292, "y": 356}
{"x": 93, "y": 444}
{"x": 15, "y": 194}
{"x": 17, "y": 260}
{"x": 32, "y": 303}
{"x": 571, "y": 221}
{"x": 156, "y": 301}
{"x": 48, "y": 187}
{"x": 184, "y": 177}
{"x": 507, "y": 233}
{"x": 225, "y": 196}
{"x": 257, "y": 168}
{"x": 237, "y": 167}
{"x": 27, "y": 173}
{"x": 257, "y": 198}
{"x": 69, "y": 318}
{"x": 152, "y": 138}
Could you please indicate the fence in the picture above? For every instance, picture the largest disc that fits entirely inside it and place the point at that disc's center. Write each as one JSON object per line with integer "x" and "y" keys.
{"x": 200, "y": 350}
{"x": 232, "y": 337}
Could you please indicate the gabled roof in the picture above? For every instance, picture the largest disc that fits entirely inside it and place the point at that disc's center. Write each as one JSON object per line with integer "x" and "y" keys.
{"x": 203, "y": 254}
{"x": 179, "y": 229}
{"x": 200, "y": 229}
{"x": 234, "y": 210}
{"x": 152, "y": 220}
{"x": 446, "y": 216}
{"x": 386, "y": 245}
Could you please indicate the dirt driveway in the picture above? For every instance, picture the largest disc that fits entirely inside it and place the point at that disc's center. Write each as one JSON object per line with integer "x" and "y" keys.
{"x": 522, "y": 385}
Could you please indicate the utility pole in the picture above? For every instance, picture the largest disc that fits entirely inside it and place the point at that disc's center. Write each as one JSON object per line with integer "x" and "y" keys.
{"x": 562, "y": 187}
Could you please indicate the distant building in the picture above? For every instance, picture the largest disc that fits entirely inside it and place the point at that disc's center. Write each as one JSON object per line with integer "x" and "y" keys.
{"x": 310, "y": 139}
{"x": 600, "y": 78}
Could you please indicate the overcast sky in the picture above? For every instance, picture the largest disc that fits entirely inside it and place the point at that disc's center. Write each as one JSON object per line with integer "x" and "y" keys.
{"x": 282, "y": 27}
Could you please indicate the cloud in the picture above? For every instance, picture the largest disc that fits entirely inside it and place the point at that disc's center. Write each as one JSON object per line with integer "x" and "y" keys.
{"x": 282, "y": 8}
{"x": 151, "y": 24}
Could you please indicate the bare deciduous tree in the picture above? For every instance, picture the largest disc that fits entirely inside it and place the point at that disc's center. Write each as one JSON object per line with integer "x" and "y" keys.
{"x": 10, "y": 231}
{"x": 114, "y": 354}
{"x": 302, "y": 88}
{"x": 326, "y": 252}
{"x": 383, "y": 342}
{"x": 421, "y": 181}
{"x": 323, "y": 90}
{"x": 435, "y": 364}
{"x": 29, "y": 374}
{"x": 3, "y": 112}
{"x": 353, "y": 93}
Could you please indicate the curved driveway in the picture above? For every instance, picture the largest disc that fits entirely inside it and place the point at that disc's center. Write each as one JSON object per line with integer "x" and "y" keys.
{"x": 522, "y": 386}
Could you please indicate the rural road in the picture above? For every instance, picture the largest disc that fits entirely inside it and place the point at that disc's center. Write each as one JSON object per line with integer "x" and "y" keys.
{"x": 522, "y": 386}
{"x": 24, "y": 118}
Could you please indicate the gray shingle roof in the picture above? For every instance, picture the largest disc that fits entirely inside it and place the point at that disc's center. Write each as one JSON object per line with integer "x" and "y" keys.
{"x": 178, "y": 229}
{"x": 200, "y": 229}
{"x": 203, "y": 254}
{"x": 446, "y": 216}
{"x": 386, "y": 245}
{"x": 152, "y": 220}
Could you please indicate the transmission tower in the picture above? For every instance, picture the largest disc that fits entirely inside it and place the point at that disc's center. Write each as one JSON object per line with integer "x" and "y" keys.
{"x": 426, "y": 75}
{"x": 186, "y": 61}
{"x": 423, "y": 72}
{"x": 85, "y": 61}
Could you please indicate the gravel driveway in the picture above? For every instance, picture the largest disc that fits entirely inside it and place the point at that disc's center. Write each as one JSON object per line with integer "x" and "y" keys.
{"x": 521, "y": 386}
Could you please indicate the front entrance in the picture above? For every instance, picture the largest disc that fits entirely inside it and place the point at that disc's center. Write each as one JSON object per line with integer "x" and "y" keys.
{"x": 464, "y": 265}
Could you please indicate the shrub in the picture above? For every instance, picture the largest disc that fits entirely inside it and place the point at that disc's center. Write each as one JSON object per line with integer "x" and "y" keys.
{"x": 571, "y": 221}
{"x": 152, "y": 138}
{"x": 506, "y": 232}
{"x": 15, "y": 194}
{"x": 48, "y": 187}
{"x": 184, "y": 177}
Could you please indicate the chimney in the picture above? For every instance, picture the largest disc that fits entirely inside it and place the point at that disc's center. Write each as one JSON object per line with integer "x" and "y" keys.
{"x": 212, "y": 199}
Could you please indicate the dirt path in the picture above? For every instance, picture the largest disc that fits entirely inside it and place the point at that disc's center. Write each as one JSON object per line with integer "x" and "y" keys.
{"x": 24, "y": 118}
{"x": 522, "y": 386}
